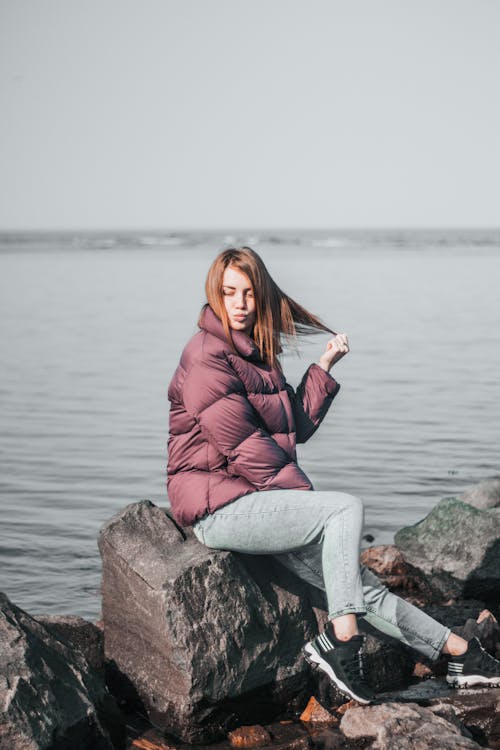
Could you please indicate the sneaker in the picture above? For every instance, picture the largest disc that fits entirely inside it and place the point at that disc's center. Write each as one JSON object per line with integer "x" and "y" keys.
{"x": 475, "y": 667}
{"x": 342, "y": 662}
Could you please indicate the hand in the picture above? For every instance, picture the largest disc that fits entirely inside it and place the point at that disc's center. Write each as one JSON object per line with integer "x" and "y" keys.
{"x": 336, "y": 348}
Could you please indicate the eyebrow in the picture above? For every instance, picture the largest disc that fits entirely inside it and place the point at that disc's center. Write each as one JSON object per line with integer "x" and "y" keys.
{"x": 228, "y": 286}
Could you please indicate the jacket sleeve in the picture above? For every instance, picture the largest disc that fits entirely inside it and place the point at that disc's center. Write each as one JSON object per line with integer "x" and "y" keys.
{"x": 215, "y": 397}
{"x": 311, "y": 401}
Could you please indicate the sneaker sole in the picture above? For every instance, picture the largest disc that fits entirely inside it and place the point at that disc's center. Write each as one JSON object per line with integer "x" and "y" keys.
{"x": 314, "y": 659}
{"x": 471, "y": 680}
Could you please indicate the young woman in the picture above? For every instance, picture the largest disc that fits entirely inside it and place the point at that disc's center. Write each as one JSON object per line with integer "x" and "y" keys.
{"x": 233, "y": 473}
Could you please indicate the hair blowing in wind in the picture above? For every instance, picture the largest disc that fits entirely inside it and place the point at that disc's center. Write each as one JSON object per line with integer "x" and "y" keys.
{"x": 276, "y": 313}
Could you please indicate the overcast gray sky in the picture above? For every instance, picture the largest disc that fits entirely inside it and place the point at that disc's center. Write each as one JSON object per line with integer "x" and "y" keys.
{"x": 185, "y": 114}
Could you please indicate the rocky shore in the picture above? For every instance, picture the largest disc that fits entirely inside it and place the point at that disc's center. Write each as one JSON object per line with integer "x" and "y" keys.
{"x": 203, "y": 647}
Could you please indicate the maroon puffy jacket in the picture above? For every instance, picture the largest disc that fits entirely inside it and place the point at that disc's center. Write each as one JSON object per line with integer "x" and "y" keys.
{"x": 234, "y": 422}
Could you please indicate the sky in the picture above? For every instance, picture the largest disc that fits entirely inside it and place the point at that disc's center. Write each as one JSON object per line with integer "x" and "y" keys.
{"x": 210, "y": 114}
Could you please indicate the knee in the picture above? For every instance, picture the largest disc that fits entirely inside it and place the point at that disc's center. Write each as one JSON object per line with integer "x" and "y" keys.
{"x": 349, "y": 505}
{"x": 354, "y": 505}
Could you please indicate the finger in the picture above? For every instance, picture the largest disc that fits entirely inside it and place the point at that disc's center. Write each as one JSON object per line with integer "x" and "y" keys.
{"x": 342, "y": 342}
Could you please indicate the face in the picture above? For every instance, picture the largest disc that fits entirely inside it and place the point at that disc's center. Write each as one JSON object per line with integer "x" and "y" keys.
{"x": 239, "y": 300}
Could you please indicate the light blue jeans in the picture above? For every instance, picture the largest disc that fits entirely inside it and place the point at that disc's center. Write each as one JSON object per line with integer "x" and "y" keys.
{"x": 316, "y": 535}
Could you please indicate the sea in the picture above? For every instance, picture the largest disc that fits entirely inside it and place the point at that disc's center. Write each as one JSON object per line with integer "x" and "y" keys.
{"x": 92, "y": 326}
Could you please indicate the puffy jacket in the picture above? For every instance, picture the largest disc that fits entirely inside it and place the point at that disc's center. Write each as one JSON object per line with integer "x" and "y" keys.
{"x": 235, "y": 422}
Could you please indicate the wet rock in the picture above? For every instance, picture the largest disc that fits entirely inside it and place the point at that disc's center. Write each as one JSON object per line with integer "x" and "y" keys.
{"x": 406, "y": 726}
{"x": 203, "y": 639}
{"x": 253, "y": 736}
{"x": 50, "y": 696}
{"x": 484, "y": 495}
{"x": 459, "y": 546}
{"x": 78, "y": 633}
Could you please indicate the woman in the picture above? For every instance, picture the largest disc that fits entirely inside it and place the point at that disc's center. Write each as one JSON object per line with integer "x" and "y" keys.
{"x": 233, "y": 473}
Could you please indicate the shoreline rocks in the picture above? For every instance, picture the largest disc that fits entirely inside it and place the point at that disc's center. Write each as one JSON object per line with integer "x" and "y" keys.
{"x": 457, "y": 545}
{"x": 49, "y": 695}
{"x": 203, "y": 643}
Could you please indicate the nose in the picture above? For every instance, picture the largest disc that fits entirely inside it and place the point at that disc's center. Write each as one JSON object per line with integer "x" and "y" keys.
{"x": 240, "y": 301}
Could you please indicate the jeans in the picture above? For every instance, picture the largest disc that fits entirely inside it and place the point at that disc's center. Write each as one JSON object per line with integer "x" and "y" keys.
{"x": 316, "y": 535}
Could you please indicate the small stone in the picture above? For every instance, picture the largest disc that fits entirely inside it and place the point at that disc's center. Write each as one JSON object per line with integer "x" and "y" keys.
{"x": 252, "y": 736}
{"x": 143, "y": 744}
{"x": 346, "y": 706}
{"x": 421, "y": 671}
{"x": 315, "y": 713}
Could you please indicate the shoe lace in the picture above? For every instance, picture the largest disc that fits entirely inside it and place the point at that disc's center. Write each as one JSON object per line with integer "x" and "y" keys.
{"x": 354, "y": 667}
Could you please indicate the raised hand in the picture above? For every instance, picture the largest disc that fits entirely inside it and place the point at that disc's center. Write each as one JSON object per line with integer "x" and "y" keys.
{"x": 336, "y": 348}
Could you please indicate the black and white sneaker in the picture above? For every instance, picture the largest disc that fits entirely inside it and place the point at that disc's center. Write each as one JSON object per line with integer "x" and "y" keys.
{"x": 475, "y": 667}
{"x": 342, "y": 662}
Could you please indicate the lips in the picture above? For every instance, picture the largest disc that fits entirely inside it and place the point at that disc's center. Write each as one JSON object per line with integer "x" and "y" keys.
{"x": 239, "y": 317}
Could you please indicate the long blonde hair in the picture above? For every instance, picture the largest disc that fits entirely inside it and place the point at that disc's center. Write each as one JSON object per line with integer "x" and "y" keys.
{"x": 276, "y": 312}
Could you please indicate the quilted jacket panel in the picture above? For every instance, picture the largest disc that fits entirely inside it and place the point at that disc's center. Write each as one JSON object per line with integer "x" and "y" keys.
{"x": 235, "y": 421}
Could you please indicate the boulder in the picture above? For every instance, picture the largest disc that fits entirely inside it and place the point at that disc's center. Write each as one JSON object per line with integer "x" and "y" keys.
{"x": 50, "y": 696}
{"x": 484, "y": 495}
{"x": 395, "y": 572}
{"x": 406, "y": 726}
{"x": 459, "y": 546}
{"x": 78, "y": 633}
{"x": 202, "y": 639}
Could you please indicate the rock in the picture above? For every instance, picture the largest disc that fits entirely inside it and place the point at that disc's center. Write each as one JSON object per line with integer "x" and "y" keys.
{"x": 345, "y": 707}
{"x": 315, "y": 713}
{"x": 477, "y": 709}
{"x": 79, "y": 634}
{"x": 253, "y": 736}
{"x": 422, "y": 671}
{"x": 50, "y": 696}
{"x": 395, "y": 572}
{"x": 459, "y": 546}
{"x": 142, "y": 743}
{"x": 204, "y": 639}
{"x": 484, "y": 495}
{"x": 387, "y": 665}
{"x": 405, "y": 726}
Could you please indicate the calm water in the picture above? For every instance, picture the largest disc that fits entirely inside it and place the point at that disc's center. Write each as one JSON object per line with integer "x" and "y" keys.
{"x": 92, "y": 327}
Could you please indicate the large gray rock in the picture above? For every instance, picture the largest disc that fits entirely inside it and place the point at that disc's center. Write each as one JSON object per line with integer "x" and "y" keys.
{"x": 405, "y": 726}
{"x": 202, "y": 637}
{"x": 49, "y": 696}
{"x": 459, "y": 546}
{"x": 78, "y": 633}
{"x": 207, "y": 639}
{"x": 484, "y": 495}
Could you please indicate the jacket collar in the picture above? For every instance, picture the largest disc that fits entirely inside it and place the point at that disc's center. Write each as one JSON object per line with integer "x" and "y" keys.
{"x": 244, "y": 344}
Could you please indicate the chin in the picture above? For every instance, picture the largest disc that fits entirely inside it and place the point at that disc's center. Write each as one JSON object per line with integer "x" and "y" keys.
{"x": 243, "y": 327}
